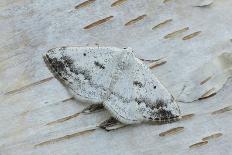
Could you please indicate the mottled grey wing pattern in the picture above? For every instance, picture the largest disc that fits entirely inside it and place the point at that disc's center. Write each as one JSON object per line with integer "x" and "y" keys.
{"x": 86, "y": 72}
{"x": 138, "y": 96}
{"x": 116, "y": 78}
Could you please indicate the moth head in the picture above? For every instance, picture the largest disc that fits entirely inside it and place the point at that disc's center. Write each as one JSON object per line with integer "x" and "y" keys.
{"x": 127, "y": 59}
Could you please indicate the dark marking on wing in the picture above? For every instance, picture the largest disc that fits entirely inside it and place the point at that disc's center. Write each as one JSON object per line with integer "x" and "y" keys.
{"x": 158, "y": 111}
{"x": 165, "y": 113}
{"x": 61, "y": 66}
{"x": 138, "y": 101}
{"x": 85, "y": 73}
{"x": 57, "y": 65}
{"x": 68, "y": 61}
{"x": 101, "y": 66}
{"x": 159, "y": 103}
{"x": 137, "y": 83}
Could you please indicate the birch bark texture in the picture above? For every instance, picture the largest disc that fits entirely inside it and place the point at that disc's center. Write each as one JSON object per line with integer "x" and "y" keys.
{"x": 190, "y": 41}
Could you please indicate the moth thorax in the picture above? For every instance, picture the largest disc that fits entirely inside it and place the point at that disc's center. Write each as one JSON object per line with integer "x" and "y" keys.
{"x": 125, "y": 60}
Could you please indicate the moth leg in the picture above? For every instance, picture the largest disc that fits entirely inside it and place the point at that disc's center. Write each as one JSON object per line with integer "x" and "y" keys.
{"x": 111, "y": 124}
{"x": 93, "y": 108}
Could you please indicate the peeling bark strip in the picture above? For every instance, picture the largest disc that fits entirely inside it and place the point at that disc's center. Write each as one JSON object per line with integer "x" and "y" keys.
{"x": 157, "y": 63}
{"x": 204, "y": 81}
{"x": 173, "y": 34}
{"x": 198, "y": 144}
{"x": 213, "y": 136}
{"x": 223, "y": 110}
{"x": 98, "y": 22}
{"x": 52, "y": 141}
{"x": 190, "y": 36}
{"x": 64, "y": 119}
{"x": 171, "y": 131}
{"x": 118, "y": 2}
{"x": 133, "y": 21}
{"x": 28, "y": 86}
{"x": 188, "y": 116}
{"x": 208, "y": 94}
{"x": 162, "y": 24}
{"x": 84, "y": 4}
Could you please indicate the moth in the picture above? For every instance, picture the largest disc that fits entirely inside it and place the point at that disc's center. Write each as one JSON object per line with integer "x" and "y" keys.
{"x": 114, "y": 79}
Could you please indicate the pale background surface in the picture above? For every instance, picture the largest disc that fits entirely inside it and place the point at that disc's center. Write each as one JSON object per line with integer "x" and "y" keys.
{"x": 31, "y": 27}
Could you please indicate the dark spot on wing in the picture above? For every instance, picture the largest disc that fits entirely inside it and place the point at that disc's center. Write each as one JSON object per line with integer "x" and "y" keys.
{"x": 164, "y": 114}
{"x": 159, "y": 104}
{"x": 57, "y": 65}
{"x": 138, "y": 101}
{"x": 101, "y": 66}
{"x": 137, "y": 83}
{"x": 78, "y": 71}
{"x": 68, "y": 61}
{"x": 84, "y": 54}
{"x": 60, "y": 66}
{"x": 154, "y": 87}
{"x": 86, "y": 74}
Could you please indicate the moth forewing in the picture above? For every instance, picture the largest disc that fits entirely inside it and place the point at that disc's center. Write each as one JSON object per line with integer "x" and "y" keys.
{"x": 81, "y": 70}
{"x": 116, "y": 78}
{"x": 138, "y": 96}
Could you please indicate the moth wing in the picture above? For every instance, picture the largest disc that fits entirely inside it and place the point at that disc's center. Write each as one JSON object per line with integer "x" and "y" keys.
{"x": 85, "y": 71}
{"x": 138, "y": 96}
